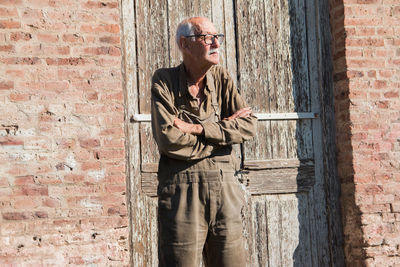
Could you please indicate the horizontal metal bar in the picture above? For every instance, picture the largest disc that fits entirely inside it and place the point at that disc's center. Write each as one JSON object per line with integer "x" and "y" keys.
{"x": 286, "y": 116}
{"x": 141, "y": 117}
{"x": 260, "y": 116}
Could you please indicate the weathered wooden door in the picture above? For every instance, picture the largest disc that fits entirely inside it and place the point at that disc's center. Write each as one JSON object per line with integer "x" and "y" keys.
{"x": 271, "y": 49}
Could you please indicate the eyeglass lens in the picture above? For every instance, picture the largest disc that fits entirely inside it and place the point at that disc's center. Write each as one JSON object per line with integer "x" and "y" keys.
{"x": 210, "y": 39}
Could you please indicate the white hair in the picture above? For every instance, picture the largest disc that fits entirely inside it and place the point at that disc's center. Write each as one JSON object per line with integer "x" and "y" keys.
{"x": 185, "y": 28}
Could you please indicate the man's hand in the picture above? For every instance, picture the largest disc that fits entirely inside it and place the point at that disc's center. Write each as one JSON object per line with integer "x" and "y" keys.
{"x": 189, "y": 128}
{"x": 241, "y": 113}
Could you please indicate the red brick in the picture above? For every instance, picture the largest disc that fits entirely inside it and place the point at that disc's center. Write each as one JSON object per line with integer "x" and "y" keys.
{"x": 395, "y": 207}
{"x": 393, "y": 94}
{"x": 111, "y": 154}
{"x": 11, "y": 142}
{"x": 20, "y": 97}
{"x": 9, "y": 24}
{"x": 112, "y": 51}
{"x": 30, "y": 13}
{"x": 14, "y": 216}
{"x": 25, "y": 203}
{"x": 121, "y": 188}
{"x": 380, "y": 84}
{"x": 16, "y": 36}
{"x": 384, "y": 53}
{"x": 6, "y": 85}
{"x": 47, "y": 38}
{"x": 32, "y": 191}
{"x": 386, "y": 73}
{"x": 383, "y": 198}
{"x": 7, "y": 48}
{"x": 95, "y": 4}
{"x": 66, "y": 74}
{"x": 73, "y": 38}
{"x": 51, "y": 203}
{"x": 91, "y": 96}
{"x": 4, "y": 183}
{"x": 73, "y": 178}
{"x": 24, "y": 180}
{"x": 111, "y": 28}
{"x": 366, "y": 63}
{"x": 118, "y": 131}
{"x": 374, "y": 208}
{"x": 363, "y": 21}
{"x": 56, "y": 86}
{"x": 41, "y": 214}
{"x": 110, "y": 39}
{"x": 92, "y": 165}
{"x": 385, "y": 31}
{"x": 66, "y": 61}
{"x": 21, "y": 60}
{"x": 76, "y": 260}
{"x": 11, "y": 2}
{"x": 62, "y": 3}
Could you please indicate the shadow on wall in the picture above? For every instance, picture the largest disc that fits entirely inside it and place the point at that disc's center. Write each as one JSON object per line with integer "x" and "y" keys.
{"x": 337, "y": 155}
{"x": 351, "y": 215}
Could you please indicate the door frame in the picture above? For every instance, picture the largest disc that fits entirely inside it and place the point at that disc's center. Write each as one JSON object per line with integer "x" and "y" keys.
{"x": 322, "y": 85}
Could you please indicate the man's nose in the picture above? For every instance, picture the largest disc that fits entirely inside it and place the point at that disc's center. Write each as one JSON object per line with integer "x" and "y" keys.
{"x": 216, "y": 44}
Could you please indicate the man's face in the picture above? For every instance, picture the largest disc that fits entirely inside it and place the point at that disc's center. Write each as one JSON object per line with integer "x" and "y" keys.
{"x": 198, "y": 50}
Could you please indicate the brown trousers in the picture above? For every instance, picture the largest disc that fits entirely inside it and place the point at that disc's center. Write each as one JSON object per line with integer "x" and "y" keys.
{"x": 200, "y": 213}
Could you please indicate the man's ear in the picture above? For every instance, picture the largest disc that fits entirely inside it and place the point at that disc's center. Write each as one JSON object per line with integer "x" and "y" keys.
{"x": 183, "y": 43}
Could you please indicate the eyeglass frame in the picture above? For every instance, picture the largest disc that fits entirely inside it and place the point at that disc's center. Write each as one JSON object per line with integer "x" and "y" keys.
{"x": 213, "y": 38}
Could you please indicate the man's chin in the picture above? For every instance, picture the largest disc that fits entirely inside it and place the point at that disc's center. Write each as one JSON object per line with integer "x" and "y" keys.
{"x": 214, "y": 61}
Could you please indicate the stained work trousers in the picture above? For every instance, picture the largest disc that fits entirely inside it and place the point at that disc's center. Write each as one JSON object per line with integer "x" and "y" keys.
{"x": 200, "y": 213}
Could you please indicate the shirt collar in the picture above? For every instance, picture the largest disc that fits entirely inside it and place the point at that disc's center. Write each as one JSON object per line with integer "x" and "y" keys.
{"x": 183, "y": 87}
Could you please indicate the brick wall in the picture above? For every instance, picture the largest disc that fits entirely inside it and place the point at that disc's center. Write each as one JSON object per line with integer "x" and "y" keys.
{"x": 366, "y": 50}
{"x": 62, "y": 171}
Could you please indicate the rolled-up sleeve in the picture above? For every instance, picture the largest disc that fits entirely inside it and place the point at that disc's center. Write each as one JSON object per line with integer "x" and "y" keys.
{"x": 170, "y": 140}
{"x": 227, "y": 132}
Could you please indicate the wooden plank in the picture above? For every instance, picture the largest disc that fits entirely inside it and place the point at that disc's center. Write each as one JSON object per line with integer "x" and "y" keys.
{"x": 260, "y": 235}
{"x": 302, "y": 255}
{"x": 253, "y": 62}
{"x": 280, "y": 230}
{"x": 151, "y": 18}
{"x": 265, "y": 181}
{"x": 290, "y": 228}
{"x": 217, "y": 18}
{"x": 271, "y": 181}
{"x": 140, "y": 240}
{"x": 230, "y": 38}
{"x": 274, "y": 230}
{"x": 284, "y": 89}
{"x": 322, "y": 84}
{"x": 252, "y": 164}
{"x": 292, "y": 141}
{"x": 149, "y": 149}
{"x": 276, "y": 164}
{"x": 247, "y": 221}
{"x": 150, "y": 184}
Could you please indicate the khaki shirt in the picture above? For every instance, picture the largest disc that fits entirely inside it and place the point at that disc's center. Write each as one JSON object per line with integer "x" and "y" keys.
{"x": 170, "y": 96}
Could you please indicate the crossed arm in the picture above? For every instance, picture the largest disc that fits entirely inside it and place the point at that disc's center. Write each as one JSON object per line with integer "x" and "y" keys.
{"x": 181, "y": 140}
{"x": 197, "y": 129}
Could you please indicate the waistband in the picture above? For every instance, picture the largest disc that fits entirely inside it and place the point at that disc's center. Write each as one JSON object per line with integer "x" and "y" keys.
{"x": 201, "y": 176}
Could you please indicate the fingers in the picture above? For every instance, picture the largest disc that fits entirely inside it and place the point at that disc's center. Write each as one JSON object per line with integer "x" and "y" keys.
{"x": 177, "y": 122}
{"x": 241, "y": 113}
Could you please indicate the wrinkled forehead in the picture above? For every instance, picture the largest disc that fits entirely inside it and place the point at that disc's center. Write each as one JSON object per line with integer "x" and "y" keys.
{"x": 203, "y": 26}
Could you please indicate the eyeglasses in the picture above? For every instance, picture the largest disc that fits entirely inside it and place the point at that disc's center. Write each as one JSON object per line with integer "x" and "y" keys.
{"x": 209, "y": 38}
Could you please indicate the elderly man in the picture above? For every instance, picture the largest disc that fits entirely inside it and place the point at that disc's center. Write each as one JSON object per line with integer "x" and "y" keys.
{"x": 197, "y": 114}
